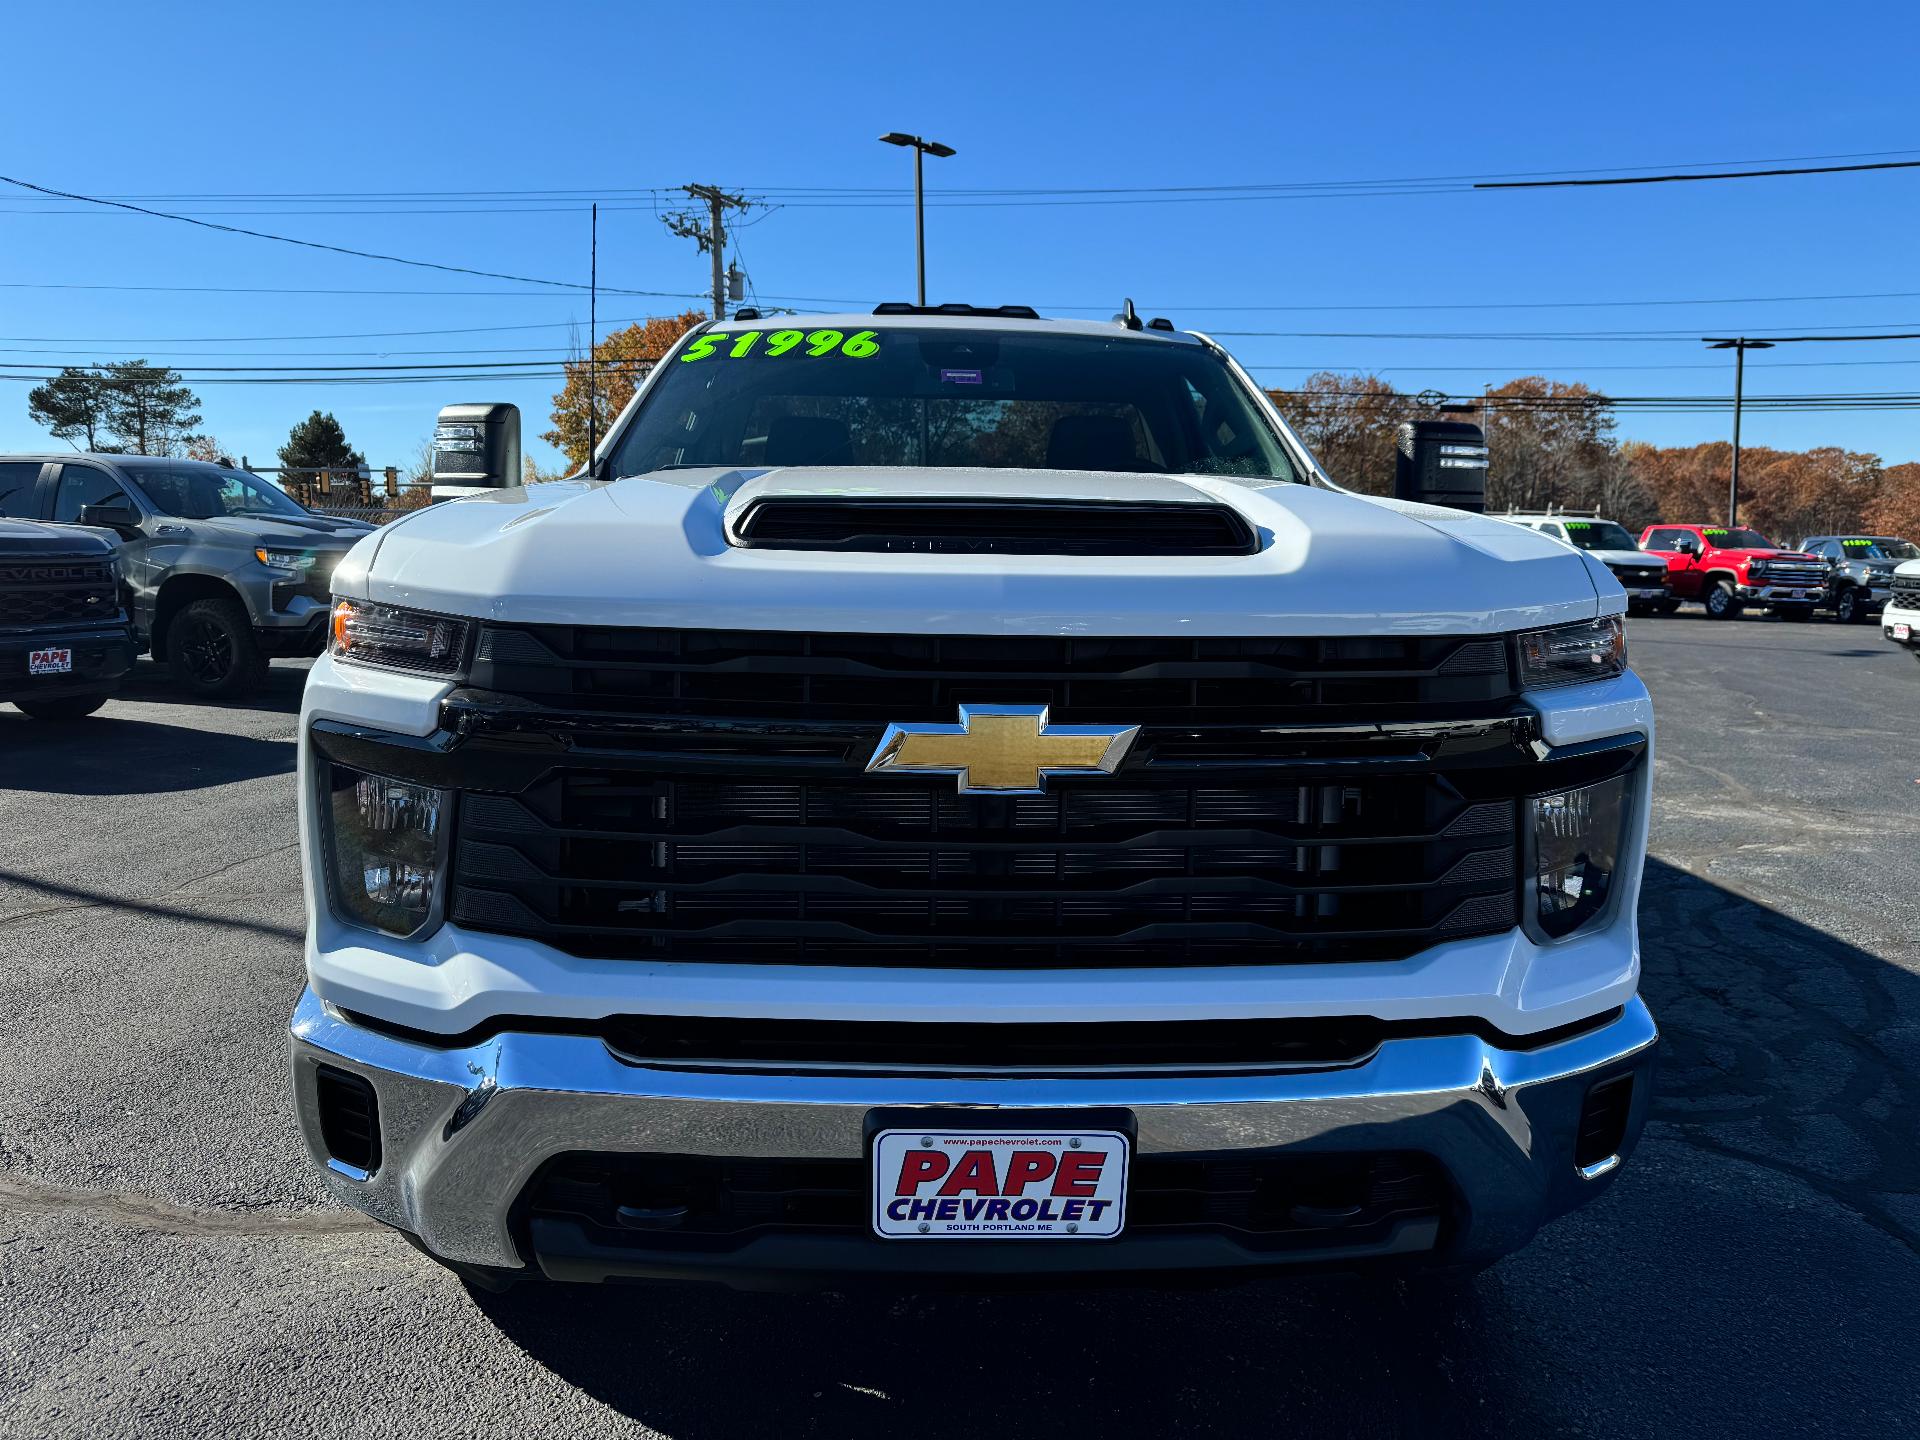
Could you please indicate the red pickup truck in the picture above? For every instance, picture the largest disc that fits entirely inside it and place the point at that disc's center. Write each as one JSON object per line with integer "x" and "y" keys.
{"x": 1727, "y": 570}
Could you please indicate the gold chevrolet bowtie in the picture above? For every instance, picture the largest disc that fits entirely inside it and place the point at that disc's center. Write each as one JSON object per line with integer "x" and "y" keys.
{"x": 1003, "y": 749}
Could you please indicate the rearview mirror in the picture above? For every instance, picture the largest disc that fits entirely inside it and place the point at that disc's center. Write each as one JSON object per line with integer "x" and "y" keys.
{"x": 115, "y": 515}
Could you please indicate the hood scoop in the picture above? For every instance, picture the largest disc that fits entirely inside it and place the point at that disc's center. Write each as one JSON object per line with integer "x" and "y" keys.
{"x": 954, "y": 525}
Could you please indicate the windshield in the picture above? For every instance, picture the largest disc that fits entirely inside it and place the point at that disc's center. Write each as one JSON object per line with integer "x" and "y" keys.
{"x": 1598, "y": 535}
{"x": 1738, "y": 539}
{"x": 766, "y": 395}
{"x": 201, "y": 492}
{"x": 1879, "y": 547}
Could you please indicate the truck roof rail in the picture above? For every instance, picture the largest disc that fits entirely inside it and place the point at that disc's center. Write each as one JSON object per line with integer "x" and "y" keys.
{"x": 1001, "y": 312}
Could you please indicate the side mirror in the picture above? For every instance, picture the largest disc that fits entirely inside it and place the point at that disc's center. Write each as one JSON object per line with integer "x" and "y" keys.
{"x": 1687, "y": 545}
{"x": 115, "y": 515}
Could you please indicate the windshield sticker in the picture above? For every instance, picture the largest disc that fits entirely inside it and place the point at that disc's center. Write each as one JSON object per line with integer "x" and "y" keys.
{"x": 816, "y": 343}
{"x": 1858, "y": 544}
{"x": 1578, "y": 525}
{"x": 963, "y": 377}
{"x": 1713, "y": 532}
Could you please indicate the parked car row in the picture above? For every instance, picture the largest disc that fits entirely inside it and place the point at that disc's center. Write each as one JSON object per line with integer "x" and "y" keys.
{"x": 210, "y": 569}
{"x": 1728, "y": 569}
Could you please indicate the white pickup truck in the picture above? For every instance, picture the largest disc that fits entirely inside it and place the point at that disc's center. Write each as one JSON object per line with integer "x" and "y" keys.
{"x": 954, "y": 793}
{"x": 1900, "y": 620}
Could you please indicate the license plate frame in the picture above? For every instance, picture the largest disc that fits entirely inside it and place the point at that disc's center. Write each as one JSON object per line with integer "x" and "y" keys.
{"x": 54, "y": 660}
{"x": 1083, "y": 1212}
{"x": 1903, "y": 632}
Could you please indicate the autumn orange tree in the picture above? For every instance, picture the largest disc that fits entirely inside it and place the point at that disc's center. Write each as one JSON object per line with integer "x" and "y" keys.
{"x": 1348, "y": 422}
{"x": 1896, "y": 507}
{"x": 622, "y": 360}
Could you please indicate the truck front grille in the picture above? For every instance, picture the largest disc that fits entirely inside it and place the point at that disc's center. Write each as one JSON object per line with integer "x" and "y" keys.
{"x": 1636, "y": 577}
{"x": 1793, "y": 573}
{"x": 36, "y": 593}
{"x": 882, "y": 678}
{"x": 712, "y": 803}
{"x": 1906, "y": 592}
{"x": 875, "y": 871}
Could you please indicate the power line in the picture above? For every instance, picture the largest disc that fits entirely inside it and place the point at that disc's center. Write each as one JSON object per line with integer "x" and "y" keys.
{"x": 313, "y": 244}
{"x": 583, "y": 194}
{"x": 1096, "y": 306}
{"x": 1704, "y": 175}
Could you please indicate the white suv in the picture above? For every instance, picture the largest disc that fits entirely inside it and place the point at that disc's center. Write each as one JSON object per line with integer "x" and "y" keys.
{"x": 958, "y": 793}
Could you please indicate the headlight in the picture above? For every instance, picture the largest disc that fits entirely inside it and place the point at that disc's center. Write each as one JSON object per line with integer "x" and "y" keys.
{"x": 400, "y": 639}
{"x": 1756, "y": 569}
{"x": 284, "y": 559}
{"x": 1576, "y": 853}
{"x": 1569, "y": 654}
{"x": 386, "y": 849}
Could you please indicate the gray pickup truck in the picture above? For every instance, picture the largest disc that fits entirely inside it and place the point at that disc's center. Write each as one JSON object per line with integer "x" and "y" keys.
{"x": 224, "y": 569}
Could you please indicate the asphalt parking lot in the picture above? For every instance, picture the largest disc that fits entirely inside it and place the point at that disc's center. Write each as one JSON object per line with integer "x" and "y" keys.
{"x": 167, "y": 1265}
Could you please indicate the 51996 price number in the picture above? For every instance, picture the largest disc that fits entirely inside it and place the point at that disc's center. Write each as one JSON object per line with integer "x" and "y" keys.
{"x": 856, "y": 346}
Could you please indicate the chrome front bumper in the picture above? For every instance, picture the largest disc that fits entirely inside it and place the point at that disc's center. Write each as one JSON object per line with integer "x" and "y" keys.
{"x": 463, "y": 1131}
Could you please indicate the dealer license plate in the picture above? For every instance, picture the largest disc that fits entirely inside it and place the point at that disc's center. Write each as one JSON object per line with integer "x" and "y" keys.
{"x": 1903, "y": 632}
{"x": 999, "y": 1185}
{"x": 49, "y": 662}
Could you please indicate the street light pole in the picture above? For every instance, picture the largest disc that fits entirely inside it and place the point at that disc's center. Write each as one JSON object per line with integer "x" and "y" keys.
{"x": 1739, "y": 347}
{"x": 921, "y": 148}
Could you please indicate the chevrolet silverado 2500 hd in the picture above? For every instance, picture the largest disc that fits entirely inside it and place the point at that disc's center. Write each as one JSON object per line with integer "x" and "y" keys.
{"x": 952, "y": 793}
{"x": 1727, "y": 570}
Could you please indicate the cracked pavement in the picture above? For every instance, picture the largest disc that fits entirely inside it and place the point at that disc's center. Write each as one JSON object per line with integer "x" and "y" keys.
{"x": 167, "y": 1264}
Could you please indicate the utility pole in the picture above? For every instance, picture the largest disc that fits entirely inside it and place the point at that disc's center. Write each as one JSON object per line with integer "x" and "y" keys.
{"x": 1739, "y": 347}
{"x": 709, "y": 233}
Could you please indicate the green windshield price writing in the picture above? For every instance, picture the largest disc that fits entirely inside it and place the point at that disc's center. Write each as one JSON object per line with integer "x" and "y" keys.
{"x": 1858, "y": 544}
{"x": 857, "y": 346}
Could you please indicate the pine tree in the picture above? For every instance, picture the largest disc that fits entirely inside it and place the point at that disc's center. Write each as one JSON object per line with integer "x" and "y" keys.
{"x": 318, "y": 443}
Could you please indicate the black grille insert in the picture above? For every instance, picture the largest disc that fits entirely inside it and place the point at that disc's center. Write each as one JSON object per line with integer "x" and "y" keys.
{"x": 855, "y": 871}
{"x": 999, "y": 526}
{"x": 57, "y": 592}
{"x": 349, "y": 1118}
{"x": 1603, "y": 1121}
{"x": 1265, "y": 1199}
{"x": 1130, "y": 680}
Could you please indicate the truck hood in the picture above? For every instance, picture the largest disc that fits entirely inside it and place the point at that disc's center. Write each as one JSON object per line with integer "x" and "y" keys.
{"x": 653, "y": 550}
{"x": 292, "y": 531}
{"x": 25, "y": 539}
{"x": 1628, "y": 557}
{"x": 1745, "y": 555}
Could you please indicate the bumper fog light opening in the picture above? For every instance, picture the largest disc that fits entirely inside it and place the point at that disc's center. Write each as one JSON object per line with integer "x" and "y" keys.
{"x": 1603, "y": 1126}
{"x": 349, "y": 1121}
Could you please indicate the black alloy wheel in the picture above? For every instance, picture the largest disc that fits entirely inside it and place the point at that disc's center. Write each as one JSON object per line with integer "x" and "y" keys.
{"x": 211, "y": 646}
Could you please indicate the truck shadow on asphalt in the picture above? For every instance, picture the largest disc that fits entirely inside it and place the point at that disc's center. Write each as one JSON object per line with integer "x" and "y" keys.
{"x": 1753, "y": 1262}
{"x": 152, "y": 683}
{"x": 108, "y": 755}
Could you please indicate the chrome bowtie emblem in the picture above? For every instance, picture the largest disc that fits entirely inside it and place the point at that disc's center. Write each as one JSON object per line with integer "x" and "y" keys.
{"x": 1003, "y": 749}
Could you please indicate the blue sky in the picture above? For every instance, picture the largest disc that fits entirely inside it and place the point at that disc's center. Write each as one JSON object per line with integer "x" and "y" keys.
{"x": 246, "y": 100}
